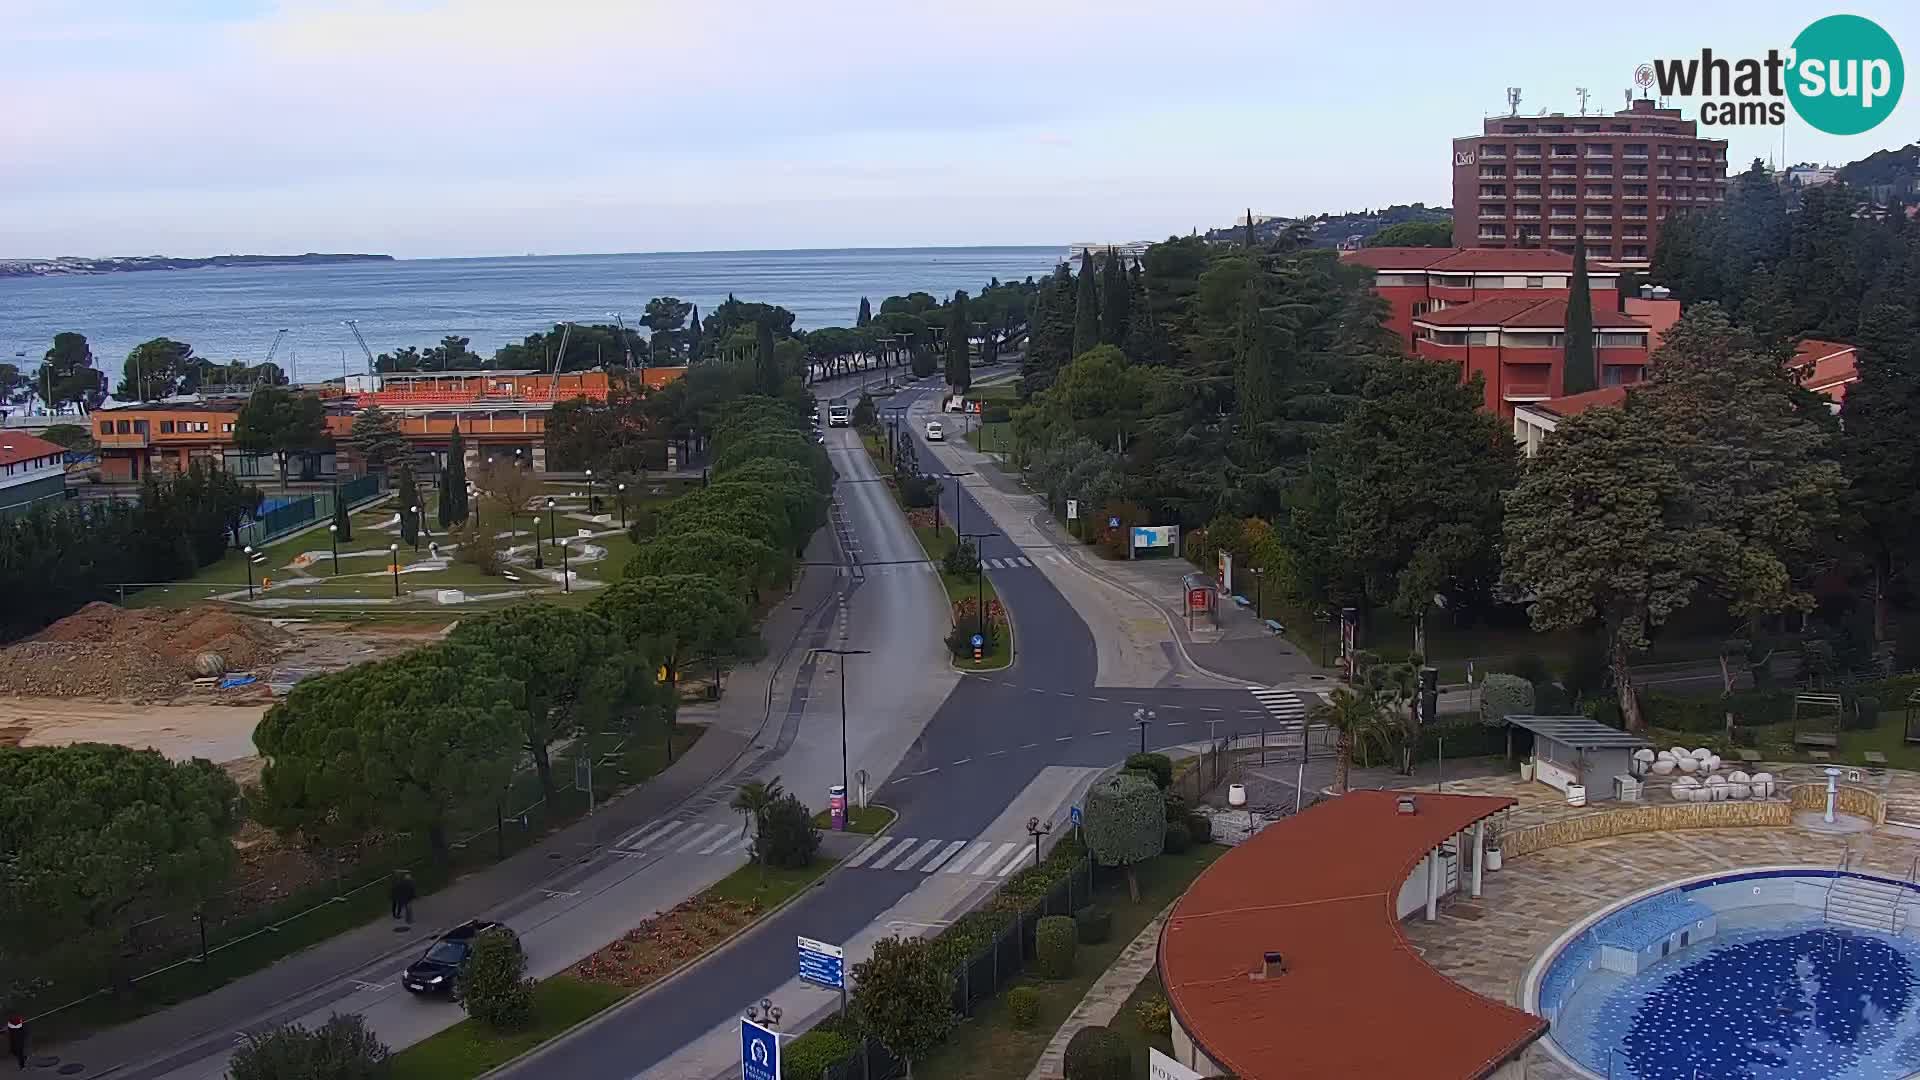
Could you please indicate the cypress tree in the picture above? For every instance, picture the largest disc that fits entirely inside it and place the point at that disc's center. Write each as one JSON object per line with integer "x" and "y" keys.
{"x": 1144, "y": 344}
{"x": 442, "y": 500}
{"x": 1086, "y": 307}
{"x": 866, "y": 313}
{"x": 959, "y": 359}
{"x": 1579, "y": 375}
{"x": 409, "y": 498}
{"x": 1113, "y": 301}
{"x": 766, "y": 364}
{"x": 342, "y": 521}
{"x": 693, "y": 335}
{"x": 456, "y": 479}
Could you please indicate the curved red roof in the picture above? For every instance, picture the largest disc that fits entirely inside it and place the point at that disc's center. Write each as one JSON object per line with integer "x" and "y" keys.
{"x": 1356, "y": 1001}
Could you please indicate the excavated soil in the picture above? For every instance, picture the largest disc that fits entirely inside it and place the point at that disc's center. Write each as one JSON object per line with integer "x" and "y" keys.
{"x": 146, "y": 655}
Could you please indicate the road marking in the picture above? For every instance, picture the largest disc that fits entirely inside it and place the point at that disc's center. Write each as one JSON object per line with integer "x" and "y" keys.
{"x": 1063, "y": 738}
{"x": 1035, "y": 690}
{"x": 945, "y": 853}
{"x": 553, "y": 894}
{"x": 647, "y": 834}
{"x": 996, "y": 753}
{"x": 364, "y": 985}
{"x": 1023, "y": 561}
{"x": 923, "y": 851}
{"x": 1013, "y": 860}
{"x": 928, "y": 772}
{"x": 1004, "y": 682}
{"x": 701, "y": 835}
{"x": 873, "y": 847}
{"x": 1210, "y": 708}
{"x": 958, "y": 864}
{"x": 1028, "y": 746}
{"x": 1096, "y": 699}
{"x": 962, "y": 761}
{"x": 1176, "y": 723}
{"x": 1109, "y": 731}
{"x": 724, "y": 841}
{"x": 899, "y": 849}
{"x": 1133, "y": 703}
{"x": 1066, "y": 693}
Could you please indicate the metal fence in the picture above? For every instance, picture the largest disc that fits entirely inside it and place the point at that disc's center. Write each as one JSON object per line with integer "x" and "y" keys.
{"x": 988, "y": 972}
{"x": 302, "y": 510}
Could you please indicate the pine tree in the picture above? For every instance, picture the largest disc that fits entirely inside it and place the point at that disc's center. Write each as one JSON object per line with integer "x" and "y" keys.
{"x": 1144, "y": 343}
{"x": 1114, "y": 301}
{"x": 1580, "y": 375}
{"x": 1086, "y": 307}
{"x": 456, "y": 480}
{"x": 693, "y": 335}
{"x": 766, "y": 362}
{"x": 866, "y": 313}
{"x": 959, "y": 360}
{"x": 409, "y": 499}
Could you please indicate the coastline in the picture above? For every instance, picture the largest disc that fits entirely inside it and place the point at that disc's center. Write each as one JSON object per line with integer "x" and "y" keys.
{"x": 68, "y": 266}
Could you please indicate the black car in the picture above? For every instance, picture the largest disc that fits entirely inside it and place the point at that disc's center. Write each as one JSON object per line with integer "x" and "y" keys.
{"x": 440, "y": 969}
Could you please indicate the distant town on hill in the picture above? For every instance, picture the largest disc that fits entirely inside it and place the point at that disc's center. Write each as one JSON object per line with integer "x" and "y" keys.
{"x": 1349, "y": 229}
{"x": 67, "y": 264}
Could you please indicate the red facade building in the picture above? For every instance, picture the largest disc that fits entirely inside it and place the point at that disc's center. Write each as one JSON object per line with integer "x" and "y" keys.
{"x": 1546, "y": 181}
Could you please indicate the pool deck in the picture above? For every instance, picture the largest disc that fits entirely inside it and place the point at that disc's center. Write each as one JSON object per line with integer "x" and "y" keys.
{"x": 1489, "y": 944}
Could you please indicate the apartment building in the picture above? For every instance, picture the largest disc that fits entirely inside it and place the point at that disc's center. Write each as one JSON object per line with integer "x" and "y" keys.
{"x": 1518, "y": 346}
{"x": 1547, "y": 181}
{"x": 31, "y": 470}
{"x": 1417, "y": 281}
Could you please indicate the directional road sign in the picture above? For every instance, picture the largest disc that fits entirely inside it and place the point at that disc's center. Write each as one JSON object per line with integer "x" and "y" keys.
{"x": 978, "y": 641}
{"x": 1073, "y": 815}
{"x": 759, "y": 1052}
{"x": 823, "y": 963}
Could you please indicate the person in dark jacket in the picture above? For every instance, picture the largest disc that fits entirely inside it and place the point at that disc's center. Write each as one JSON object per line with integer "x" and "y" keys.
{"x": 402, "y": 896}
{"x": 17, "y": 1039}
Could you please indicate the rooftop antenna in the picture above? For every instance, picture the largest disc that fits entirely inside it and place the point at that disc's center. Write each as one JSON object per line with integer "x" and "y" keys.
{"x": 1582, "y": 91}
{"x": 1629, "y": 98}
{"x": 1513, "y": 101}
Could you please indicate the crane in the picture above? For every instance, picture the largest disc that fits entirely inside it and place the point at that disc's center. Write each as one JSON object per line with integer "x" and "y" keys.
{"x": 275, "y": 347}
{"x": 625, "y": 342}
{"x": 354, "y": 325}
{"x": 560, "y": 357}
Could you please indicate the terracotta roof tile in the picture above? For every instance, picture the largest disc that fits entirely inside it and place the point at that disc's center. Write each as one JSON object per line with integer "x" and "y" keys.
{"x": 1320, "y": 888}
{"x": 1607, "y": 397}
{"x": 18, "y": 446}
{"x": 1521, "y": 312}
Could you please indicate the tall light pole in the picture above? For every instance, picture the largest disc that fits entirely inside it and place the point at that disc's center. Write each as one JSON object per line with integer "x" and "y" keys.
{"x": 333, "y": 537}
{"x": 552, "y": 536}
{"x": 566, "y": 570}
{"x": 979, "y": 580}
{"x": 246, "y": 556}
{"x": 393, "y": 552}
{"x": 590, "y": 491}
{"x": 1143, "y": 717}
{"x": 1259, "y": 588}
{"x": 417, "y": 526}
{"x": 1037, "y": 830}
{"x": 843, "y": 654}
{"x": 622, "y": 499}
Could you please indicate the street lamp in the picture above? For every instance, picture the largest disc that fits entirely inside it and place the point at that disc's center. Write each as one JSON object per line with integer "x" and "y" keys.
{"x": 590, "y": 506}
{"x": 843, "y": 653}
{"x": 552, "y": 536}
{"x": 566, "y": 577}
{"x": 246, "y": 556}
{"x": 417, "y": 523}
{"x": 1037, "y": 830}
{"x": 393, "y": 552}
{"x": 1143, "y": 717}
{"x": 622, "y": 498}
{"x": 333, "y": 538}
{"x": 979, "y": 580}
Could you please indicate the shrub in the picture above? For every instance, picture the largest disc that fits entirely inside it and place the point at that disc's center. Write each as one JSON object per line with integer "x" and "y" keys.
{"x": 961, "y": 560}
{"x": 1023, "y": 1006}
{"x": 812, "y": 1054}
{"x": 996, "y": 414}
{"x": 1178, "y": 838}
{"x": 340, "y": 1049}
{"x": 1158, "y": 766}
{"x": 1550, "y": 700}
{"x": 1054, "y": 938}
{"x": 1503, "y": 695}
{"x": 1200, "y": 827}
{"x": 1097, "y": 1053}
{"x": 495, "y": 990}
{"x": 789, "y": 834}
{"x": 1176, "y": 809}
{"x": 919, "y": 492}
{"x": 1125, "y": 823}
{"x": 960, "y": 640}
{"x": 1094, "y": 923}
{"x": 1155, "y": 1017}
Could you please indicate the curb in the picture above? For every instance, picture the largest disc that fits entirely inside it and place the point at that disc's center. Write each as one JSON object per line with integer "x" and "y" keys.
{"x": 663, "y": 981}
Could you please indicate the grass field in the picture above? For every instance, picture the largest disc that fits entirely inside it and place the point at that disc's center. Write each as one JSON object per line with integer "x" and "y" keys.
{"x": 863, "y": 819}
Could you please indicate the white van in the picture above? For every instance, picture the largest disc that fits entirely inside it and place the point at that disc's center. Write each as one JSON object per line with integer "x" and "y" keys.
{"x": 839, "y": 416}
{"x": 934, "y": 434}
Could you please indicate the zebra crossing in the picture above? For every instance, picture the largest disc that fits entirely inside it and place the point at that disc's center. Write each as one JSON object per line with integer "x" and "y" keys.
{"x": 914, "y": 854}
{"x": 1285, "y": 706}
{"x": 685, "y": 838}
{"x": 1005, "y": 562}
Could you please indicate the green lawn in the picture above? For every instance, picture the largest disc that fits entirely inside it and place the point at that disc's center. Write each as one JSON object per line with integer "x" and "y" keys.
{"x": 468, "y": 1048}
{"x": 769, "y": 885}
{"x": 995, "y": 438}
{"x": 989, "y": 1047}
{"x": 868, "y": 819}
{"x": 936, "y": 543}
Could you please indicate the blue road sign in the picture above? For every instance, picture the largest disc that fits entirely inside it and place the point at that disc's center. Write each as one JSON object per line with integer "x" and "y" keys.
{"x": 823, "y": 964}
{"x": 759, "y": 1052}
{"x": 978, "y": 641}
{"x": 1073, "y": 815}
{"x": 1113, "y": 523}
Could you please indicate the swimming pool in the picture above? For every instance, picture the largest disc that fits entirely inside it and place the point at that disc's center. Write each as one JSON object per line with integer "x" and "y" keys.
{"x": 1742, "y": 977}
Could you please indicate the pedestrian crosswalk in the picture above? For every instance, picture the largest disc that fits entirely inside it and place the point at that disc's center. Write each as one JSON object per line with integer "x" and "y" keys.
{"x": 1005, "y": 562}
{"x": 914, "y": 854}
{"x": 1285, "y": 706}
{"x": 685, "y": 838}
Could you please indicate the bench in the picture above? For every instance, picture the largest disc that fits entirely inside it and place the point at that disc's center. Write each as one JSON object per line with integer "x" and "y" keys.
{"x": 1826, "y": 740}
{"x": 1274, "y": 627}
{"x": 1241, "y": 601}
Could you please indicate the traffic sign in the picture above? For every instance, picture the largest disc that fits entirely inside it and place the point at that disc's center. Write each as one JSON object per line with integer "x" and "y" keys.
{"x": 823, "y": 963}
{"x": 978, "y": 641}
{"x": 1073, "y": 815}
{"x": 1073, "y": 509}
{"x": 1113, "y": 523}
{"x": 759, "y": 1052}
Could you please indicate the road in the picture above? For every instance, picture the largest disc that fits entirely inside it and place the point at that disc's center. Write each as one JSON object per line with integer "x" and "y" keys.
{"x": 962, "y": 788}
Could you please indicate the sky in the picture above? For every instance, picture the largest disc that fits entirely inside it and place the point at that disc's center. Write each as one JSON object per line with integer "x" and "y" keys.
{"x": 437, "y": 128}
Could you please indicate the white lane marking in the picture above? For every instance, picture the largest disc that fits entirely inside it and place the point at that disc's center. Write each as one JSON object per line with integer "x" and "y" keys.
{"x": 647, "y": 834}
{"x": 699, "y": 837}
{"x": 1107, "y": 732}
{"x": 899, "y": 849}
{"x": 963, "y": 761}
{"x": 958, "y": 864}
{"x": 1023, "y": 561}
{"x": 873, "y": 848}
{"x": 922, "y": 852}
{"x": 1019, "y": 853}
{"x": 945, "y": 853}
{"x": 724, "y": 841}
{"x": 1063, "y": 738}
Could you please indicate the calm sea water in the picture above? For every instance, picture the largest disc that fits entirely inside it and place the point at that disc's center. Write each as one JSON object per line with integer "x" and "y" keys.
{"x": 234, "y": 313}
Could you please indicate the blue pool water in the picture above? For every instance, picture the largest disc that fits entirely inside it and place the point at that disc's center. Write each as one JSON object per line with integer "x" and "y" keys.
{"x": 1776, "y": 994}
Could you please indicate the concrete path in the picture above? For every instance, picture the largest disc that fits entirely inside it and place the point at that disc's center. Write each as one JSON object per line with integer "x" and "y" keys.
{"x": 1105, "y": 997}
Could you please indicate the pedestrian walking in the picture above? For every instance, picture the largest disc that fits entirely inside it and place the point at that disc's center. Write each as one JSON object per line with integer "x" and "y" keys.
{"x": 17, "y": 1036}
{"x": 402, "y": 896}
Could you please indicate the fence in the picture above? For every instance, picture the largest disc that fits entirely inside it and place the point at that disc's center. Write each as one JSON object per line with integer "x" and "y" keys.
{"x": 303, "y": 510}
{"x": 983, "y": 975}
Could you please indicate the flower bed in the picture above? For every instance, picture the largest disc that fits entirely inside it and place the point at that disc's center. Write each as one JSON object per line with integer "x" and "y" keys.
{"x": 966, "y": 611}
{"x": 659, "y": 945}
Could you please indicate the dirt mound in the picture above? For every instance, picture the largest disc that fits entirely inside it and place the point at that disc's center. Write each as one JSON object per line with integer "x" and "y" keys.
{"x": 147, "y": 655}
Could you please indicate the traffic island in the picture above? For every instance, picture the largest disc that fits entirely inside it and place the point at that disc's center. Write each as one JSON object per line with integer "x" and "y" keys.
{"x": 867, "y": 820}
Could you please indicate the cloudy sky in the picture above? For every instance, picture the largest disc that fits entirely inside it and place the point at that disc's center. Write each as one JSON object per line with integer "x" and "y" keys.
{"x": 473, "y": 127}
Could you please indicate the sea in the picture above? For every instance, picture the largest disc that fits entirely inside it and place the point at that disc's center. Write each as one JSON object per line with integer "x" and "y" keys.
{"x": 236, "y": 313}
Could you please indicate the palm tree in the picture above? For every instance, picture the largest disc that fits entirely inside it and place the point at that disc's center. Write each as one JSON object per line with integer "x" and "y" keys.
{"x": 753, "y": 799}
{"x": 1362, "y": 720}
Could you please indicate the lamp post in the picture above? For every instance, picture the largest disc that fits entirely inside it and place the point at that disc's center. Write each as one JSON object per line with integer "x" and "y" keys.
{"x": 1143, "y": 717}
{"x": 393, "y": 552}
{"x": 417, "y": 525}
{"x": 246, "y": 556}
{"x": 979, "y": 580}
{"x": 333, "y": 538}
{"x": 1037, "y": 830}
{"x": 552, "y": 535}
{"x": 621, "y": 498}
{"x": 566, "y": 573}
{"x": 590, "y": 507}
{"x": 843, "y": 654}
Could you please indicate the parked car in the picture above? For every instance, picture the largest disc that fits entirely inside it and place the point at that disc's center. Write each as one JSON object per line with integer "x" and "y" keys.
{"x": 934, "y": 433}
{"x": 440, "y": 969}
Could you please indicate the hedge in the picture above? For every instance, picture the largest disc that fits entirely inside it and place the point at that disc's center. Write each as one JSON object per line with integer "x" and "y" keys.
{"x": 1023, "y": 1006}
{"x": 1098, "y": 1053}
{"x": 808, "y": 1056}
{"x": 1054, "y": 939}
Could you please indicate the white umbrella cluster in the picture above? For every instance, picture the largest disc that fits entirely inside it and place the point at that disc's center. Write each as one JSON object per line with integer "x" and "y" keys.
{"x": 1696, "y": 775}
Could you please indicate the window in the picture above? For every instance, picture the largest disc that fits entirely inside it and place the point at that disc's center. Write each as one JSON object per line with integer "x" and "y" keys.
{"x": 123, "y": 427}
{"x": 1620, "y": 339}
{"x": 1534, "y": 339}
{"x": 1483, "y": 337}
{"x": 1453, "y": 281}
{"x": 1536, "y": 283}
{"x": 227, "y": 427}
{"x": 166, "y": 427}
{"x": 106, "y": 427}
{"x": 1447, "y": 337}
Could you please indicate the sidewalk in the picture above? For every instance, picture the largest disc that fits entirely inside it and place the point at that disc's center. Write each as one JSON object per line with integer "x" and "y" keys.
{"x": 287, "y": 987}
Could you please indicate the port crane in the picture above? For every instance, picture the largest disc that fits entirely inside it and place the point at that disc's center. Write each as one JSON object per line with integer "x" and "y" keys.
{"x": 354, "y": 325}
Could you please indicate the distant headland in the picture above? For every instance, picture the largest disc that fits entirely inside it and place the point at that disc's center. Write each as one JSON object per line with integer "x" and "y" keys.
{"x": 66, "y": 265}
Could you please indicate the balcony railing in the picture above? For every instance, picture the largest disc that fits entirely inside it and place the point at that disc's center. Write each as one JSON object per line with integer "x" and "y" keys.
{"x": 1493, "y": 215}
{"x": 1493, "y": 155}
{"x": 127, "y": 440}
{"x": 1569, "y": 196}
{"x": 1596, "y": 155}
{"x": 1493, "y": 176}
{"x": 1631, "y": 156}
{"x": 1528, "y": 155}
{"x": 1526, "y": 195}
{"x": 1525, "y": 217}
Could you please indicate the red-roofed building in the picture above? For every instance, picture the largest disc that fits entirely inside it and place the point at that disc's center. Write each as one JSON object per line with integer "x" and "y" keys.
{"x": 1533, "y": 423}
{"x": 1416, "y": 281}
{"x": 1517, "y": 344}
{"x": 1826, "y": 367}
{"x": 31, "y": 469}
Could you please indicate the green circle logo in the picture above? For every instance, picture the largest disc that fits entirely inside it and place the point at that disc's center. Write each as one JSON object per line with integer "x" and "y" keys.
{"x": 1847, "y": 75}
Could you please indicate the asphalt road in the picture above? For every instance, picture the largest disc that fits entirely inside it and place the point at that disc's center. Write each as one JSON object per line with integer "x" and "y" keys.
{"x": 985, "y": 743}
